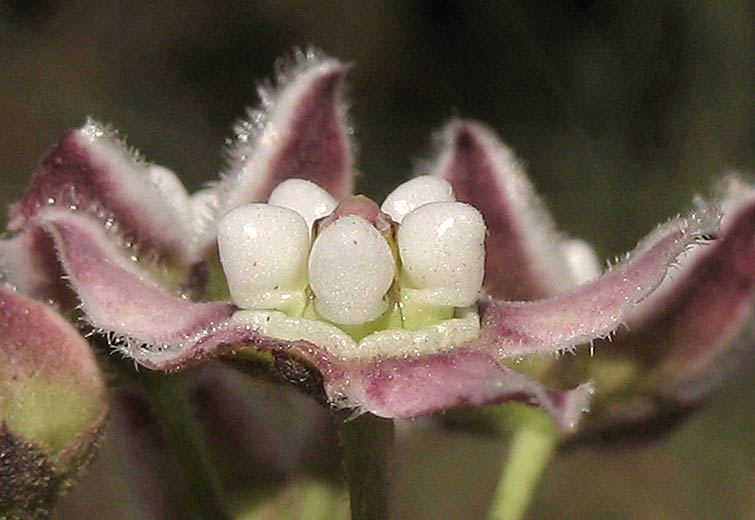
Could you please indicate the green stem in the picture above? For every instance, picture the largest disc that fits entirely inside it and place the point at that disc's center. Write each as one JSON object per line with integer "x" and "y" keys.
{"x": 367, "y": 449}
{"x": 183, "y": 439}
{"x": 304, "y": 499}
{"x": 532, "y": 445}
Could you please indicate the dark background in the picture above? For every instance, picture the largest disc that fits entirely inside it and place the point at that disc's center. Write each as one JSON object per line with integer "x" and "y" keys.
{"x": 621, "y": 110}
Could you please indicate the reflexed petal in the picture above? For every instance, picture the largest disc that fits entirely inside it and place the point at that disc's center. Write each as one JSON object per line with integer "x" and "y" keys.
{"x": 407, "y": 387}
{"x": 685, "y": 340}
{"x": 117, "y": 295}
{"x": 300, "y": 133}
{"x": 92, "y": 169}
{"x": 595, "y": 309}
{"x": 703, "y": 315}
{"x": 523, "y": 260}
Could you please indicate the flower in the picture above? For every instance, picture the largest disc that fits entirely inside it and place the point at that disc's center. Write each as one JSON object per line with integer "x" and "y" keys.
{"x": 383, "y": 309}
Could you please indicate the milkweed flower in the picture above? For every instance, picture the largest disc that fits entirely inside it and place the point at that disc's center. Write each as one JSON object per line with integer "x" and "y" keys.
{"x": 401, "y": 309}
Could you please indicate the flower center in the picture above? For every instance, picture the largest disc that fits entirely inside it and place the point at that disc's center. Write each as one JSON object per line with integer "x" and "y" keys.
{"x": 413, "y": 264}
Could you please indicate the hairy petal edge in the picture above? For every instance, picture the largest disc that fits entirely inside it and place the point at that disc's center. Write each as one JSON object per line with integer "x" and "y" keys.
{"x": 595, "y": 309}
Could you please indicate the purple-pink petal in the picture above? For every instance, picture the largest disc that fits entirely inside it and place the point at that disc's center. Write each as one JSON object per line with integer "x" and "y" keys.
{"x": 408, "y": 387}
{"x": 702, "y": 317}
{"x": 116, "y": 294}
{"x": 300, "y": 133}
{"x": 687, "y": 338}
{"x": 524, "y": 260}
{"x": 92, "y": 169}
{"x": 597, "y": 308}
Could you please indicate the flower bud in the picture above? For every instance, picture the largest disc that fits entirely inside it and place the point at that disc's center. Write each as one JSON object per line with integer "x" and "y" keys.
{"x": 305, "y": 197}
{"x": 442, "y": 250}
{"x": 351, "y": 268}
{"x": 415, "y": 193}
{"x": 52, "y": 405}
{"x": 263, "y": 250}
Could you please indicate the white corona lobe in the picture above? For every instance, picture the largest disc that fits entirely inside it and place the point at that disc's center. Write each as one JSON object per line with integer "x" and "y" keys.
{"x": 351, "y": 268}
{"x": 263, "y": 250}
{"x": 442, "y": 250}
{"x": 306, "y": 198}
{"x": 415, "y": 193}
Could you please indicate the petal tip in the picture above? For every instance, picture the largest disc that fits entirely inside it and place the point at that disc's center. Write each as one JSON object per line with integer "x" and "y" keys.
{"x": 299, "y": 131}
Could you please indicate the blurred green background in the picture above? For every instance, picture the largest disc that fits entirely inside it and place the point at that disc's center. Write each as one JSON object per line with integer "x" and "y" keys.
{"x": 621, "y": 111}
